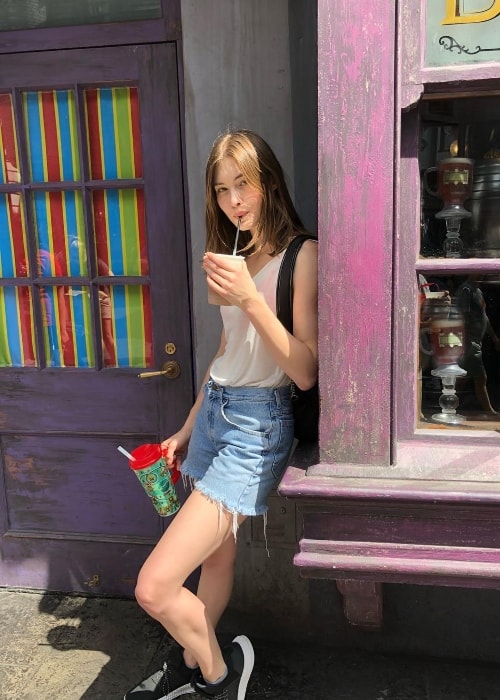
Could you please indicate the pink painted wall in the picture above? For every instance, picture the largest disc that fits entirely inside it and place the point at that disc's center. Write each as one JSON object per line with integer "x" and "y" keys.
{"x": 356, "y": 73}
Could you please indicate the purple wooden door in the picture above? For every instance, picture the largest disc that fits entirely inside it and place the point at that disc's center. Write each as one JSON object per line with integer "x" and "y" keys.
{"x": 93, "y": 292}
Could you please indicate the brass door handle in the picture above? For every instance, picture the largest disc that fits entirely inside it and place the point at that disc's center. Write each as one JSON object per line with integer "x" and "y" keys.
{"x": 171, "y": 370}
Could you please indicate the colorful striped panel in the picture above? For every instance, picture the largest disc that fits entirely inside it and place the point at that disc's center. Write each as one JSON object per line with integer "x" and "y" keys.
{"x": 67, "y": 327}
{"x": 17, "y": 346}
{"x": 113, "y": 133}
{"x": 9, "y": 159}
{"x": 131, "y": 325}
{"x": 120, "y": 232}
{"x": 51, "y": 125}
{"x": 60, "y": 231}
{"x": 13, "y": 252}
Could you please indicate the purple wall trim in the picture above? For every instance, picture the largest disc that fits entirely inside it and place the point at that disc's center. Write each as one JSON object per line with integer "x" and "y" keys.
{"x": 356, "y": 161}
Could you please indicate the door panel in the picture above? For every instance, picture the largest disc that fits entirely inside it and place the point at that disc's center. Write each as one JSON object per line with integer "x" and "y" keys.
{"x": 94, "y": 284}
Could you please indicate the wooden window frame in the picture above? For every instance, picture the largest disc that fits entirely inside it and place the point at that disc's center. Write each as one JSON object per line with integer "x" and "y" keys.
{"x": 166, "y": 28}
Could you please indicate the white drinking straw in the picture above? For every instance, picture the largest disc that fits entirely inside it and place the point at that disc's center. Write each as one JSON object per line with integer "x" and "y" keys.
{"x": 237, "y": 235}
{"x": 124, "y": 452}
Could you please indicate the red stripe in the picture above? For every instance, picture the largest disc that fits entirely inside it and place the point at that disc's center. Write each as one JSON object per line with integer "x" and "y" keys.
{"x": 26, "y": 328}
{"x": 13, "y": 201}
{"x": 141, "y": 227}
{"x": 148, "y": 326}
{"x": 136, "y": 131}
{"x": 91, "y": 98}
{"x": 51, "y": 136}
{"x": 8, "y": 136}
{"x": 17, "y": 236}
{"x": 57, "y": 232}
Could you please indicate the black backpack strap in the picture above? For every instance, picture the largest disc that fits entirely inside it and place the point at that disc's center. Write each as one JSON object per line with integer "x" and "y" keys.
{"x": 284, "y": 286}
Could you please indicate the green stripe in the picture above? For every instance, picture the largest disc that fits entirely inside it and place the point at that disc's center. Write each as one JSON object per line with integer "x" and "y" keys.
{"x": 123, "y": 132}
{"x": 5, "y": 356}
{"x": 130, "y": 232}
{"x": 136, "y": 324}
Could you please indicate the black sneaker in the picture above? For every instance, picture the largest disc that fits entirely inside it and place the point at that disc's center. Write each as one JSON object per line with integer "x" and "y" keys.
{"x": 239, "y": 658}
{"x": 171, "y": 682}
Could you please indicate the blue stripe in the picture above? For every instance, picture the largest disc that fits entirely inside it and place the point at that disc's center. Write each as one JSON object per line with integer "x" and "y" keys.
{"x": 34, "y": 119}
{"x": 54, "y": 351}
{"x": 73, "y": 244}
{"x": 42, "y": 228}
{"x": 110, "y": 169}
{"x": 121, "y": 326}
{"x": 13, "y": 330}
{"x": 114, "y": 232}
{"x": 6, "y": 253}
{"x": 78, "y": 302}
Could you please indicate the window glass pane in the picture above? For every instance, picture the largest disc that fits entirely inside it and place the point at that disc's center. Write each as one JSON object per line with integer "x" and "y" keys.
{"x": 60, "y": 234}
{"x": 67, "y": 326}
{"x": 113, "y": 133}
{"x": 120, "y": 232}
{"x": 13, "y": 253}
{"x": 459, "y": 349}
{"x": 460, "y": 170}
{"x": 55, "y": 13}
{"x": 126, "y": 326}
{"x": 17, "y": 346}
{"x": 9, "y": 159}
{"x": 51, "y": 128}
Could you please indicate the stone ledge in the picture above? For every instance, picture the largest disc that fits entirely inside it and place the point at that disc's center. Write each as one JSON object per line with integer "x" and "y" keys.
{"x": 386, "y": 562}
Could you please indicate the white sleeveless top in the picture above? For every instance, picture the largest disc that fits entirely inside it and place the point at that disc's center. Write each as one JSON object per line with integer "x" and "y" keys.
{"x": 246, "y": 361}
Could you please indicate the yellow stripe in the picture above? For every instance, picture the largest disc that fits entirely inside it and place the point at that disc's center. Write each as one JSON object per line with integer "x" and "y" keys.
{"x": 73, "y": 136}
{"x": 2, "y": 151}
{"x": 42, "y": 132}
{"x": 116, "y": 129}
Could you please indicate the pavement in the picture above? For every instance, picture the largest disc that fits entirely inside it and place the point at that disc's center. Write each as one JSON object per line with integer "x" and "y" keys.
{"x": 62, "y": 646}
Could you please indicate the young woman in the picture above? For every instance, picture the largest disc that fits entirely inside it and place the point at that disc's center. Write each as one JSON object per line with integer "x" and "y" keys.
{"x": 239, "y": 433}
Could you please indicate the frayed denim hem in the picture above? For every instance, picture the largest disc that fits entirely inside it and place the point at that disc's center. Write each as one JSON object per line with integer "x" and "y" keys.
{"x": 191, "y": 482}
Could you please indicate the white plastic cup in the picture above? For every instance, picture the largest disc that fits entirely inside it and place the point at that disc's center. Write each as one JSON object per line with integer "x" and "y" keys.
{"x": 237, "y": 262}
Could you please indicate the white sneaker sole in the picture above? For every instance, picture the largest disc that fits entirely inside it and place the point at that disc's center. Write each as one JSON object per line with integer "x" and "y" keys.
{"x": 154, "y": 680}
{"x": 248, "y": 664}
{"x": 178, "y": 692}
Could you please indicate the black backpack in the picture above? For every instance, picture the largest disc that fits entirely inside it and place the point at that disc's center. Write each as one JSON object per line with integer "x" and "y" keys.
{"x": 305, "y": 404}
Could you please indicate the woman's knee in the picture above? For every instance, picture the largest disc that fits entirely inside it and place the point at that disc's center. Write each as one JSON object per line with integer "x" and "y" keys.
{"x": 154, "y": 595}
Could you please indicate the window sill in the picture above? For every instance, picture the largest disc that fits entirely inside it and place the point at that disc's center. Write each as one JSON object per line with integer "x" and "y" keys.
{"x": 440, "y": 471}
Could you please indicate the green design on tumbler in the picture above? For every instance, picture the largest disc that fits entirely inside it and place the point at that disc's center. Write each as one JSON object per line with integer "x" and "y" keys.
{"x": 158, "y": 485}
{"x": 156, "y": 478}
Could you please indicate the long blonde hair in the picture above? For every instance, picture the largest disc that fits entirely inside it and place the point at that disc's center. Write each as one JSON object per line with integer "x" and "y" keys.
{"x": 279, "y": 221}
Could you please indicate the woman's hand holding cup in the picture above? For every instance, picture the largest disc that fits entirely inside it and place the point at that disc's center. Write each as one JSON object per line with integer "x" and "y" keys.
{"x": 227, "y": 278}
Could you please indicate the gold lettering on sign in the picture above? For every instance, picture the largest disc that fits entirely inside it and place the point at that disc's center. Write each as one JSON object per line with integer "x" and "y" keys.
{"x": 454, "y": 14}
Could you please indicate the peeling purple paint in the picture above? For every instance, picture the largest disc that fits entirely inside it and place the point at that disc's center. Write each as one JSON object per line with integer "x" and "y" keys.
{"x": 356, "y": 139}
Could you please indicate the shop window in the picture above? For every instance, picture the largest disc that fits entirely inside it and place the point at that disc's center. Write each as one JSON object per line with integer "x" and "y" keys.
{"x": 458, "y": 269}
{"x": 58, "y": 13}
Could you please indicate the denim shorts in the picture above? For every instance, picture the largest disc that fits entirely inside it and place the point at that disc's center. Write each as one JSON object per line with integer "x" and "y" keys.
{"x": 240, "y": 445}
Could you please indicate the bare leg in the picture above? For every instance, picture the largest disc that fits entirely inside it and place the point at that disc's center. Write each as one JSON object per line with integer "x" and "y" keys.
{"x": 196, "y": 533}
{"x": 216, "y": 584}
